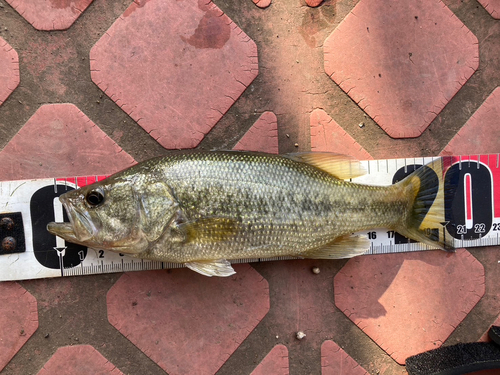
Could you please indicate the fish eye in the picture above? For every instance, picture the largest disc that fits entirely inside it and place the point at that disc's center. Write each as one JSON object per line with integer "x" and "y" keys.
{"x": 94, "y": 198}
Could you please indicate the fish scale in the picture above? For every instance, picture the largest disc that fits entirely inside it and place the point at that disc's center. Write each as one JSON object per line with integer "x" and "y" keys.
{"x": 299, "y": 203}
{"x": 205, "y": 208}
{"x": 475, "y": 220}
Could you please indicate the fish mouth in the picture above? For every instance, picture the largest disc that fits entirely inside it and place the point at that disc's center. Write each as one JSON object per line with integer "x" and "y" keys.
{"x": 63, "y": 230}
{"x": 78, "y": 230}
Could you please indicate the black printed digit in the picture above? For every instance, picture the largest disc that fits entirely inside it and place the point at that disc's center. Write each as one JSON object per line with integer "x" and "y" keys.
{"x": 469, "y": 201}
{"x": 44, "y": 243}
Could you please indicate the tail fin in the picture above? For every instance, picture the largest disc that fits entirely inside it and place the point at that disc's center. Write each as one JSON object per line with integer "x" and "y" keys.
{"x": 426, "y": 220}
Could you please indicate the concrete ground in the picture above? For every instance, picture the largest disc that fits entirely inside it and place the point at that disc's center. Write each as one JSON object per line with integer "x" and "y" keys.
{"x": 90, "y": 87}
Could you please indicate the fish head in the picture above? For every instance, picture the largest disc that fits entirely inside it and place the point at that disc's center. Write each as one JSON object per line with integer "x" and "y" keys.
{"x": 118, "y": 214}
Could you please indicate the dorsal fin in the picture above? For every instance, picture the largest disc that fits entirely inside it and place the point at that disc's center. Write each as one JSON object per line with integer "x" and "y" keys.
{"x": 340, "y": 166}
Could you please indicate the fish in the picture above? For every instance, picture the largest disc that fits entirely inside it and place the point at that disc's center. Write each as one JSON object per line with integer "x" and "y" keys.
{"x": 205, "y": 209}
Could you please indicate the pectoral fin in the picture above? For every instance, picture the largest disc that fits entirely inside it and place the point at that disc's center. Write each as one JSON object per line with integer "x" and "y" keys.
{"x": 219, "y": 267}
{"x": 209, "y": 230}
{"x": 340, "y": 166}
{"x": 341, "y": 247}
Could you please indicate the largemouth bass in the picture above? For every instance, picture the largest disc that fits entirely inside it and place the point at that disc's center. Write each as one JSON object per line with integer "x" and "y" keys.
{"x": 206, "y": 208}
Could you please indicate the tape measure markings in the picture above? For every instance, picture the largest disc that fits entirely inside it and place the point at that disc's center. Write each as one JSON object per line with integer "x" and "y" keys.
{"x": 52, "y": 257}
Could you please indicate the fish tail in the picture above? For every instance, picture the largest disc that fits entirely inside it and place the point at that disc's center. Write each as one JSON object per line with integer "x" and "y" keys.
{"x": 427, "y": 193}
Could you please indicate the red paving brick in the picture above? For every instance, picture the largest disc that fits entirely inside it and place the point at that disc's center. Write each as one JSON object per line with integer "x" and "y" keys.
{"x": 203, "y": 320}
{"x": 490, "y": 257}
{"x": 18, "y": 319}
{"x": 174, "y": 67}
{"x": 59, "y": 140}
{"x": 262, "y": 3}
{"x": 262, "y": 136}
{"x": 9, "y": 70}
{"x": 492, "y": 6}
{"x": 401, "y": 66}
{"x": 335, "y": 361}
{"x": 275, "y": 362}
{"x": 177, "y": 319}
{"x": 50, "y": 14}
{"x": 78, "y": 359}
{"x": 327, "y": 135}
{"x": 313, "y": 3}
{"x": 407, "y": 303}
{"x": 481, "y": 133}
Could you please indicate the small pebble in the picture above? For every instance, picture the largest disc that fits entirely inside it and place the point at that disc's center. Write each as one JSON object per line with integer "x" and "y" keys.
{"x": 296, "y": 145}
{"x": 315, "y": 270}
{"x": 47, "y": 335}
{"x": 300, "y": 335}
{"x": 361, "y": 125}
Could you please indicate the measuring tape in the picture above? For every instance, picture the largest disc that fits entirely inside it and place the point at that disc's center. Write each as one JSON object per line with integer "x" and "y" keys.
{"x": 28, "y": 251}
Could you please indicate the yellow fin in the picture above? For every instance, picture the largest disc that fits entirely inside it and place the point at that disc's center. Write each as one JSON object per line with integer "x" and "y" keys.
{"x": 210, "y": 230}
{"x": 426, "y": 221}
{"x": 218, "y": 267}
{"x": 342, "y": 247}
{"x": 340, "y": 166}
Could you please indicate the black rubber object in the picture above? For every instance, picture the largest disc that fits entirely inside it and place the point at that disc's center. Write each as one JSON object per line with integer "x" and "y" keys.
{"x": 458, "y": 359}
{"x": 494, "y": 334}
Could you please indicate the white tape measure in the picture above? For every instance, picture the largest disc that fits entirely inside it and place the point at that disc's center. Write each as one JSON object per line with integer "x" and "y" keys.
{"x": 28, "y": 251}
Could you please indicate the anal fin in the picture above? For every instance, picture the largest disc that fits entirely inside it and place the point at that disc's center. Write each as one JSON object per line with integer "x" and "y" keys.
{"x": 218, "y": 267}
{"x": 342, "y": 247}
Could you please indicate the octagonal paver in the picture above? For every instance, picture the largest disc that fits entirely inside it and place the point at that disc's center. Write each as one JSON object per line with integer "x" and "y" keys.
{"x": 9, "y": 70}
{"x": 327, "y": 135}
{"x": 409, "y": 303}
{"x": 50, "y": 14}
{"x": 185, "y": 322}
{"x": 262, "y": 136}
{"x": 401, "y": 61}
{"x": 59, "y": 141}
{"x": 492, "y": 6}
{"x": 490, "y": 303}
{"x": 275, "y": 362}
{"x": 174, "y": 67}
{"x": 18, "y": 319}
{"x": 481, "y": 132}
{"x": 335, "y": 361}
{"x": 78, "y": 359}
{"x": 262, "y": 3}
